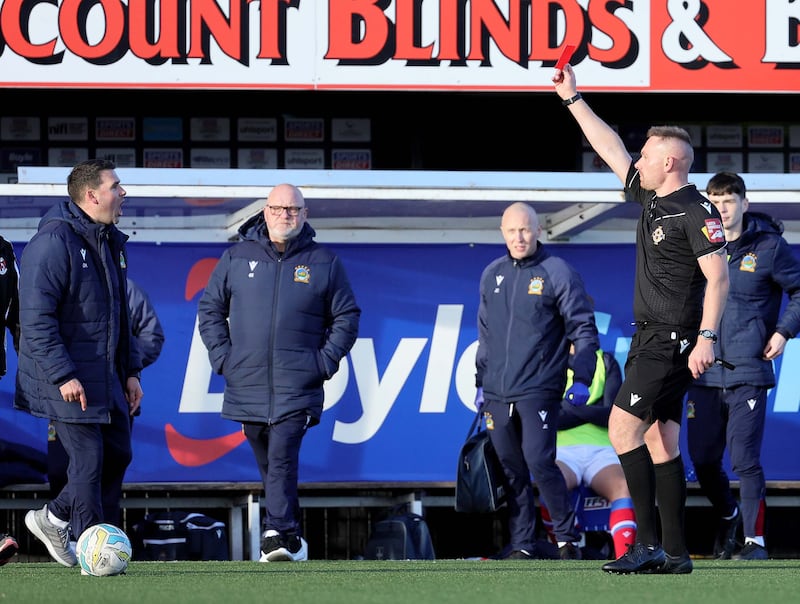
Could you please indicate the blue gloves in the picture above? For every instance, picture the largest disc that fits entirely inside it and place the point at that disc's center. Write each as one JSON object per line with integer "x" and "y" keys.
{"x": 479, "y": 398}
{"x": 578, "y": 394}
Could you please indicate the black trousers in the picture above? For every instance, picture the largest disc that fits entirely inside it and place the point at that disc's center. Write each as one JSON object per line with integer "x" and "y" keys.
{"x": 86, "y": 469}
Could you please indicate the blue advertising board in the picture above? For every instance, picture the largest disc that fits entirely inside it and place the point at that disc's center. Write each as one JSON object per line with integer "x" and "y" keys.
{"x": 402, "y": 402}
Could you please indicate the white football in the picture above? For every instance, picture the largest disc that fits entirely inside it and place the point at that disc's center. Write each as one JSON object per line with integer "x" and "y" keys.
{"x": 103, "y": 550}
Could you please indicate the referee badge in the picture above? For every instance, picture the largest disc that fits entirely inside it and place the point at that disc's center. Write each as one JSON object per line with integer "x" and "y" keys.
{"x": 658, "y": 235}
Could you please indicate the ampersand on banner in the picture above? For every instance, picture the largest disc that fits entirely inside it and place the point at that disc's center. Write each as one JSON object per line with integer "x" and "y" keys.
{"x": 684, "y": 40}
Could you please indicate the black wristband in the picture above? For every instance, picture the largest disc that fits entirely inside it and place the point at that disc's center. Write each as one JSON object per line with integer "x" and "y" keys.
{"x": 569, "y": 101}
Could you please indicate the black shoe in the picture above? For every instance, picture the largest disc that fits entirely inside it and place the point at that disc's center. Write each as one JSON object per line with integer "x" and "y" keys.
{"x": 637, "y": 559}
{"x": 726, "y": 536}
{"x": 752, "y": 551}
{"x": 673, "y": 565}
{"x": 297, "y": 548}
{"x": 519, "y": 554}
{"x": 569, "y": 551}
{"x": 269, "y": 545}
{"x": 283, "y": 548}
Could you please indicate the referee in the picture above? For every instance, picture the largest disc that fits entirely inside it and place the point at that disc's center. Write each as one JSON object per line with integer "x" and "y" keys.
{"x": 679, "y": 294}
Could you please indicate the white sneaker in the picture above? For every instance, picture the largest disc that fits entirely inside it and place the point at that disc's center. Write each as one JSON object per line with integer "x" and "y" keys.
{"x": 54, "y": 538}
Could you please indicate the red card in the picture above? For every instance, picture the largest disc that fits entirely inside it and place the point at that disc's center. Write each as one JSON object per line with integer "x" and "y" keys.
{"x": 566, "y": 55}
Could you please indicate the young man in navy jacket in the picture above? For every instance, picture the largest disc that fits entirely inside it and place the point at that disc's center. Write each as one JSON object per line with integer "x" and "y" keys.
{"x": 728, "y": 406}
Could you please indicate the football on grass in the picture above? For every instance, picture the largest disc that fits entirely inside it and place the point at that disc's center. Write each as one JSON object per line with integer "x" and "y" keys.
{"x": 103, "y": 550}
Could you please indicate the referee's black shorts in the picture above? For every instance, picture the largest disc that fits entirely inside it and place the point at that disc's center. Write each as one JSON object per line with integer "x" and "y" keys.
{"x": 657, "y": 373}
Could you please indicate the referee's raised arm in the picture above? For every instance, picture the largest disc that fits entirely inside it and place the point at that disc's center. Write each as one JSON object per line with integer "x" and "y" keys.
{"x": 602, "y": 137}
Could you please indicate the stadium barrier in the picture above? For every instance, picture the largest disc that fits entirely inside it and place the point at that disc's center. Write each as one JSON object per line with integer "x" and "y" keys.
{"x": 242, "y": 500}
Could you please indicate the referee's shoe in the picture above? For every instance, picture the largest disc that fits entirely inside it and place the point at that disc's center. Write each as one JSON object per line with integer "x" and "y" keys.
{"x": 639, "y": 558}
{"x": 673, "y": 565}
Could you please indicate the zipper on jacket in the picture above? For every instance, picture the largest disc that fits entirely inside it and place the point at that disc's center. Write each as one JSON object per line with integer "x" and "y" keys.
{"x": 271, "y": 364}
{"x": 106, "y": 260}
{"x": 510, "y": 330}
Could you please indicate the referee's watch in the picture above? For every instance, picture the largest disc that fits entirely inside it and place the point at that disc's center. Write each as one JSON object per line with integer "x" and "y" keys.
{"x": 707, "y": 334}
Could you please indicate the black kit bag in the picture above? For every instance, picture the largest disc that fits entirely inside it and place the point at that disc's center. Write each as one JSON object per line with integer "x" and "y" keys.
{"x": 178, "y": 535}
{"x": 402, "y": 535}
{"x": 480, "y": 481}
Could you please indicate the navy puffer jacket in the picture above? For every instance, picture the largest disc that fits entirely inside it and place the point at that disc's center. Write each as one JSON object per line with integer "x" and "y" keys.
{"x": 74, "y": 318}
{"x": 762, "y": 267}
{"x": 276, "y": 326}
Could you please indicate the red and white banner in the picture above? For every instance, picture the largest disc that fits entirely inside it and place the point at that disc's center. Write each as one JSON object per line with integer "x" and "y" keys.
{"x": 438, "y": 45}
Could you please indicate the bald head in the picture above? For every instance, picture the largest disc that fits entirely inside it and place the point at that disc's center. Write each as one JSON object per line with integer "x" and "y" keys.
{"x": 286, "y": 195}
{"x": 285, "y": 214}
{"x": 521, "y": 229}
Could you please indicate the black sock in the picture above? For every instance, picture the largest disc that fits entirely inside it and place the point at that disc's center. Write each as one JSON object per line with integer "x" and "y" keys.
{"x": 671, "y": 494}
{"x": 640, "y": 476}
